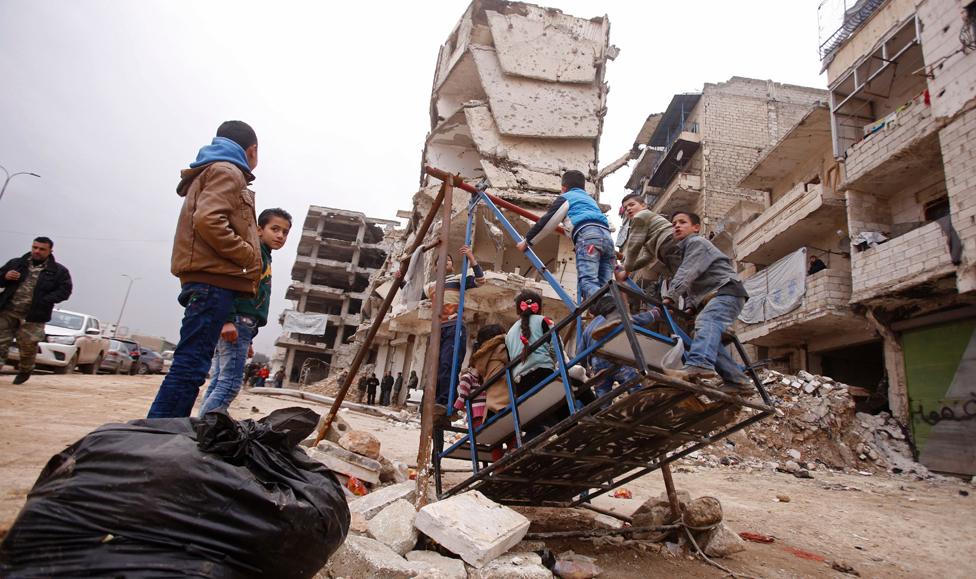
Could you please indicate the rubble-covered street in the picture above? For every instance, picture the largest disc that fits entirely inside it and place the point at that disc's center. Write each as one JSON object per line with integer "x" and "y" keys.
{"x": 876, "y": 523}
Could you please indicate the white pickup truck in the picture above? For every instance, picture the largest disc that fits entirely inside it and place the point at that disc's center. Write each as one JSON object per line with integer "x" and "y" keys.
{"x": 72, "y": 339}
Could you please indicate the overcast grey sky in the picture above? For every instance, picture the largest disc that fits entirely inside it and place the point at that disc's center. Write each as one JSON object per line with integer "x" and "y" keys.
{"x": 108, "y": 100}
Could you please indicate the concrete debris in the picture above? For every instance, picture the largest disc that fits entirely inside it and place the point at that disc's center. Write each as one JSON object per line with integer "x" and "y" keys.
{"x": 393, "y": 471}
{"x": 348, "y": 463}
{"x": 722, "y": 542}
{"x": 513, "y": 566}
{"x": 570, "y": 565}
{"x": 656, "y": 512}
{"x": 379, "y": 499}
{"x": 818, "y": 428}
{"x": 358, "y": 524}
{"x": 703, "y": 512}
{"x": 393, "y": 526}
{"x": 472, "y": 526}
{"x": 339, "y": 427}
{"x": 362, "y": 443}
{"x": 448, "y": 567}
{"x": 365, "y": 557}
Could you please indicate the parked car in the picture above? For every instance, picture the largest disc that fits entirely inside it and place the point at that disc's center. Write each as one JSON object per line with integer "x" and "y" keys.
{"x": 135, "y": 352}
{"x": 117, "y": 359}
{"x": 167, "y": 360}
{"x": 150, "y": 362}
{"x": 72, "y": 339}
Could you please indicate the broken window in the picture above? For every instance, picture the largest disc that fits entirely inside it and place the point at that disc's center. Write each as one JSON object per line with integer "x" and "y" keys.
{"x": 937, "y": 209}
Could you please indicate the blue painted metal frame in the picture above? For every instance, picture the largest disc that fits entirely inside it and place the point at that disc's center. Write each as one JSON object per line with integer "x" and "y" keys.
{"x": 562, "y": 365}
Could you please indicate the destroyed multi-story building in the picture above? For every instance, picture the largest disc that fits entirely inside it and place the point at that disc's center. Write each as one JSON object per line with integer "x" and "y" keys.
{"x": 881, "y": 184}
{"x": 338, "y": 253}
{"x": 698, "y": 149}
{"x": 518, "y": 98}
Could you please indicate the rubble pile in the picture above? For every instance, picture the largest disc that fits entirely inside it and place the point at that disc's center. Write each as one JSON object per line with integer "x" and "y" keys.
{"x": 817, "y": 428}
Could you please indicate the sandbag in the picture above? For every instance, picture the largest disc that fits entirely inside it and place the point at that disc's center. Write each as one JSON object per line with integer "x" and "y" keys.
{"x": 182, "y": 497}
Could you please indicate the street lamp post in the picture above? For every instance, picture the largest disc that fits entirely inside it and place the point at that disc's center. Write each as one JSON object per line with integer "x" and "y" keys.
{"x": 132, "y": 280}
{"x": 10, "y": 176}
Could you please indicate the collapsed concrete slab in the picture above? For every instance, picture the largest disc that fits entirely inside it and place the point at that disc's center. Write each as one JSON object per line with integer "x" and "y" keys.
{"x": 472, "y": 526}
{"x": 348, "y": 463}
{"x": 448, "y": 567}
{"x": 365, "y": 557}
{"x": 513, "y": 566}
{"x": 393, "y": 526}
{"x": 379, "y": 499}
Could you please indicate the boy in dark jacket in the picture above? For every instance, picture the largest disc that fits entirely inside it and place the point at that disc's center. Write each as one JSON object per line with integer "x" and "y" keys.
{"x": 31, "y": 284}
{"x": 245, "y": 318}
{"x": 708, "y": 283}
{"x": 216, "y": 255}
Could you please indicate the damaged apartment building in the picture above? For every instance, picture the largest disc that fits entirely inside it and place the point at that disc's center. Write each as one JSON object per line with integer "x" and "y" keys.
{"x": 879, "y": 182}
{"x": 338, "y": 253}
{"x": 518, "y": 98}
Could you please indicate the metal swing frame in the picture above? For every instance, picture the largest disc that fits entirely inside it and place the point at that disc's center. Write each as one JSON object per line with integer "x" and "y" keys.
{"x": 641, "y": 425}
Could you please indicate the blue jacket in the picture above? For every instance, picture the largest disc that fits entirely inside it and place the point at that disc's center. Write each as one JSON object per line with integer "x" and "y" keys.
{"x": 576, "y": 204}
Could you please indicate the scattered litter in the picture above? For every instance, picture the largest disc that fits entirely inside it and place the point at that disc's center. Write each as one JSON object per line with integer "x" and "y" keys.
{"x": 356, "y": 486}
{"x": 622, "y": 493}
{"x": 804, "y": 554}
{"x": 844, "y": 568}
{"x": 756, "y": 537}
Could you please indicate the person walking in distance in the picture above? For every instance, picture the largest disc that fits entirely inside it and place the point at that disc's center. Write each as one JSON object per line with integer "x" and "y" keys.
{"x": 371, "y": 385}
{"x": 397, "y": 388}
{"x": 385, "y": 388}
{"x": 216, "y": 256}
{"x": 32, "y": 284}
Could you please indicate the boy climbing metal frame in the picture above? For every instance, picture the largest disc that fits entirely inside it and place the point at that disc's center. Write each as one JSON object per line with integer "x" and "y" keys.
{"x": 601, "y": 422}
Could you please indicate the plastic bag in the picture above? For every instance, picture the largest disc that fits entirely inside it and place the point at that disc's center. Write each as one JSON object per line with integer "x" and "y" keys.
{"x": 182, "y": 497}
{"x": 674, "y": 358}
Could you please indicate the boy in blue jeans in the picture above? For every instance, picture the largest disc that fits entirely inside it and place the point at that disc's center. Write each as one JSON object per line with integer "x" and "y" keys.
{"x": 711, "y": 288}
{"x": 216, "y": 256}
{"x": 595, "y": 253}
{"x": 244, "y": 320}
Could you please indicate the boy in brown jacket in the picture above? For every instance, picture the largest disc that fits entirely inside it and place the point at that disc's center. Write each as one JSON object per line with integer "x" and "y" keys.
{"x": 216, "y": 255}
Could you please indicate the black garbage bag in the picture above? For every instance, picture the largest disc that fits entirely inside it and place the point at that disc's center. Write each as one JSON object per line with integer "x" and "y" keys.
{"x": 182, "y": 497}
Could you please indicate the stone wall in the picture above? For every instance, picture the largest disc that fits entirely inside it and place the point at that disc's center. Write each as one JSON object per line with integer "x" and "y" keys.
{"x": 958, "y": 141}
{"x": 911, "y": 259}
{"x": 952, "y": 83}
{"x": 911, "y": 125}
{"x": 740, "y": 120}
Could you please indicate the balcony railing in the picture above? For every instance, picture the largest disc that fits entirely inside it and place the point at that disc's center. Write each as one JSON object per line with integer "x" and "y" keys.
{"x": 838, "y": 19}
{"x": 912, "y": 259}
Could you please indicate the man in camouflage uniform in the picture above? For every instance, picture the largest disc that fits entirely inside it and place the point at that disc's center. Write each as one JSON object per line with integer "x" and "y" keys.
{"x": 31, "y": 285}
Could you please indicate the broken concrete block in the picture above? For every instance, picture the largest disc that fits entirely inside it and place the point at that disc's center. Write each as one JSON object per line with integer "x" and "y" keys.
{"x": 379, "y": 499}
{"x": 348, "y": 463}
{"x": 338, "y": 428}
{"x": 474, "y": 527}
{"x": 393, "y": 526}
{"x": 722, "y": 542}
{"x": 365, "y": 557}
{"x": 513, "y": 566}
{"x": 703, "y": 512}
{"x": 448, "y": 567}
{"x": 361, "y": 442}
{"x": 358, "y": 524}
{"x": 393, "y": 471}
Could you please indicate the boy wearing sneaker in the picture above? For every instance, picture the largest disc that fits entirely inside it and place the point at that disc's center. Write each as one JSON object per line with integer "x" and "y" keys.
{"x": 710, "y": 286}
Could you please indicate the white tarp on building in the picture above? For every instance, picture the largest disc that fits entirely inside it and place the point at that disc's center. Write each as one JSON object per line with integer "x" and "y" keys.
{"x": 776, "y": 290}
{"x": 301, "y": 323}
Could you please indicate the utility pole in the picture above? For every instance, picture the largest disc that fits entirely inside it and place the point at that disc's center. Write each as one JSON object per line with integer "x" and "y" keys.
{"x": 9, "y": 176}
{"x": 132, "y": 280}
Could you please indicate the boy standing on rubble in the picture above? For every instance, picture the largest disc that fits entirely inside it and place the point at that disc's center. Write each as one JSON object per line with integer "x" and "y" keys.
{"x": 245, "y": 318}
{"x": 216, "y": 255}
{"x": 595, "y": 254}
{"x": 710, "y": 286}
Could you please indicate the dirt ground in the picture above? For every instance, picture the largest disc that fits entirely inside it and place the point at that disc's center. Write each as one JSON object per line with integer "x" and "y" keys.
{"x": 881, "y": 525}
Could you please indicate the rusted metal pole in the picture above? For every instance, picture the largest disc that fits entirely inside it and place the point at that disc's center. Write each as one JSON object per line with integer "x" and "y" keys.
{"x": 326, "y": 422}
{"x": 432, "y": 359}
{"x": 672, "y": 494}
{"x": 460, "y": 184}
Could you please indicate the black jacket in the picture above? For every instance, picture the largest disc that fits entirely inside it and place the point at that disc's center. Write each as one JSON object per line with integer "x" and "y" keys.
{"x": 387, "y": 383}
{"x": 53, "y": 286}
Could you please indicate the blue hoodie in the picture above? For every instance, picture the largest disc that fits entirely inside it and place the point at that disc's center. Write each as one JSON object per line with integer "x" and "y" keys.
{"x": 222, "y": 149}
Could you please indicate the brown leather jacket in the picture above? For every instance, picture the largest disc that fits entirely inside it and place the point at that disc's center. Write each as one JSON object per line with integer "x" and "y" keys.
{"x": 216, "y": 238}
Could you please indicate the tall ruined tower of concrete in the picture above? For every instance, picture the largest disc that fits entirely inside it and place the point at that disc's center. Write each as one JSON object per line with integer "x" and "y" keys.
{"x": 518, "y": 98}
